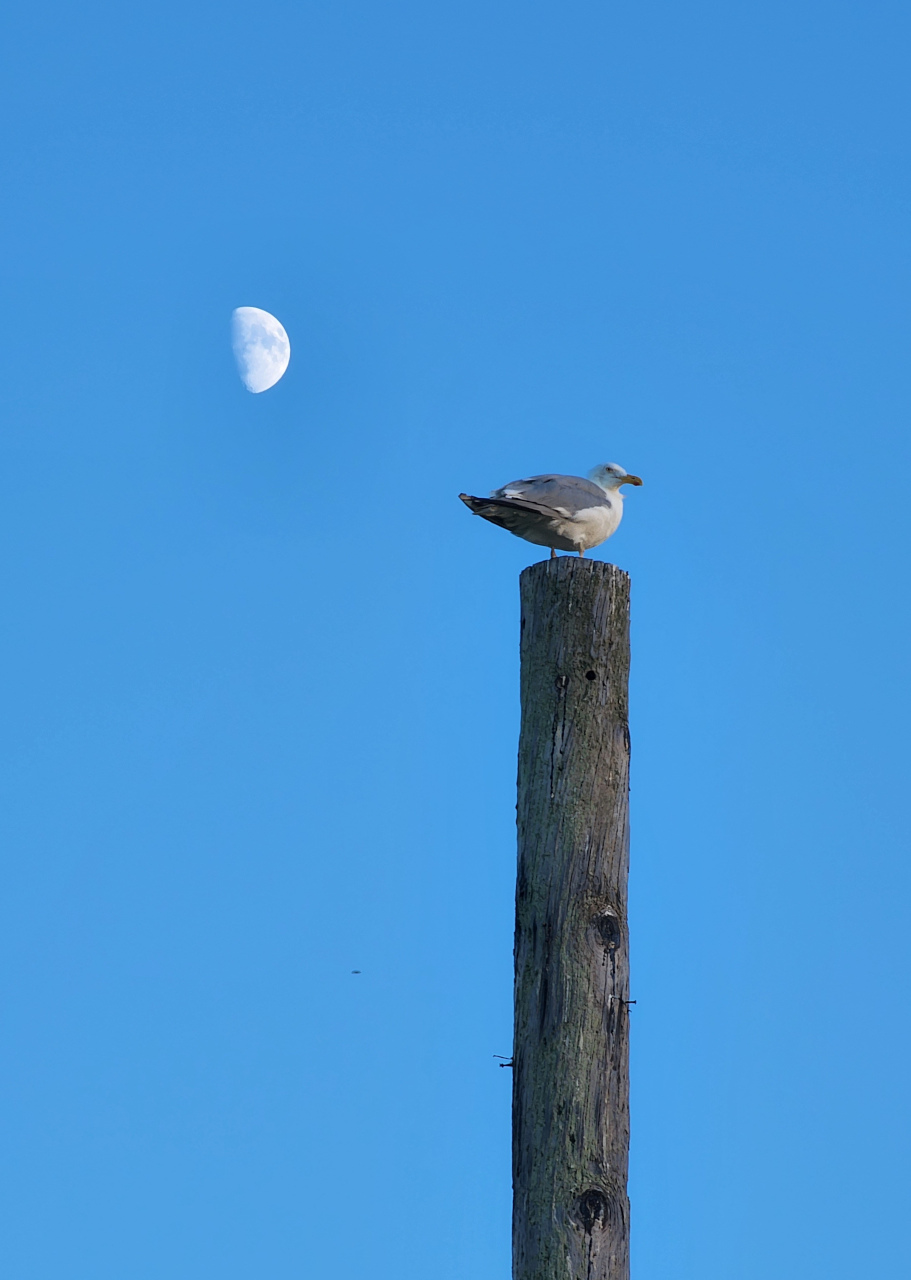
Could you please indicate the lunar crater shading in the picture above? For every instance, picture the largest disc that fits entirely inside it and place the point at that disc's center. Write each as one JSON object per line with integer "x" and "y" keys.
{"x": 261, "y": 347}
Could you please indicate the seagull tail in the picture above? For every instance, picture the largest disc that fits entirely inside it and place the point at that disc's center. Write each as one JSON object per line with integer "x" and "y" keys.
{"x": 495, "y": 510}
{"x": 517, "y": 515}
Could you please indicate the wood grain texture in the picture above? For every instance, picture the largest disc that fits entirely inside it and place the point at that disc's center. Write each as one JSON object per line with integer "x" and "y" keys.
{"x": 571, "y": 1052}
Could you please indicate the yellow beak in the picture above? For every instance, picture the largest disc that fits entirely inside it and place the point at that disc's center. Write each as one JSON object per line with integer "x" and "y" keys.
{"x": 630, "y": 480}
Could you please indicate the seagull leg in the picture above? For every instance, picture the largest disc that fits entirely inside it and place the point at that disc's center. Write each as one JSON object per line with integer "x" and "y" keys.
{"x": 553, "y": 553}
{"x": 581, "y": 553}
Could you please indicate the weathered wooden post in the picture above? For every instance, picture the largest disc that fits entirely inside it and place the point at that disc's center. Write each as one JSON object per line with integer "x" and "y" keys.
{"x": 571, "y": 1053}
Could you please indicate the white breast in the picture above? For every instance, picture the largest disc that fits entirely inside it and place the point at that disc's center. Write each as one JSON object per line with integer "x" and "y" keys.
{"x": 593, "y": 525}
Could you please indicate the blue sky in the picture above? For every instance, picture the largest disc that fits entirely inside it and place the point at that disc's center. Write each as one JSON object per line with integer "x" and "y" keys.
{"x": 259, "y": 666}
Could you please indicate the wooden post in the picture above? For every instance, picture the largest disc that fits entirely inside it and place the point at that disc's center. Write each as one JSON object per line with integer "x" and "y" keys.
{"x": 571, "y": 1053}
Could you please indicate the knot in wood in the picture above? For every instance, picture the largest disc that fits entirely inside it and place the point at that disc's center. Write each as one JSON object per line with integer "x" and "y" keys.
{"x": 610, "y": 930}
{"x": 593, "y": 1209}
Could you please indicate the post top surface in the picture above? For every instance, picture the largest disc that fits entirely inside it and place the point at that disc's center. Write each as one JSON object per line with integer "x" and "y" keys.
{"x": 566, "y": 567}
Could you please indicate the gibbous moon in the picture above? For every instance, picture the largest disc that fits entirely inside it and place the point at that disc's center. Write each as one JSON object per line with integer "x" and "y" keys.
{"x": 261, "y": 347}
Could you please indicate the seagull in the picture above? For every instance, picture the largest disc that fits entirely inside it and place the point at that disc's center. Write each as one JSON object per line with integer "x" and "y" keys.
{"x": 565, "y": 513}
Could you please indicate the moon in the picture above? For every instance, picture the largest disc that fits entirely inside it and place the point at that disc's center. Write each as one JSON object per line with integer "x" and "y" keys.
{"x": 261, "y": 347}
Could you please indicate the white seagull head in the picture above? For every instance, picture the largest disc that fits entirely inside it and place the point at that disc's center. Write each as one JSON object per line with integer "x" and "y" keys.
{"x": 610, "y": 476}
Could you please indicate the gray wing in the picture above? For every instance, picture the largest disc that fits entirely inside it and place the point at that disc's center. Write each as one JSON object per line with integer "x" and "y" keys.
{"x": 562, "y": 495}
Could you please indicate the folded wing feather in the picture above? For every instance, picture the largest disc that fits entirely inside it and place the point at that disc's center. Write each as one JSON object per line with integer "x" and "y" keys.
{"x": 564, "y": 495}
